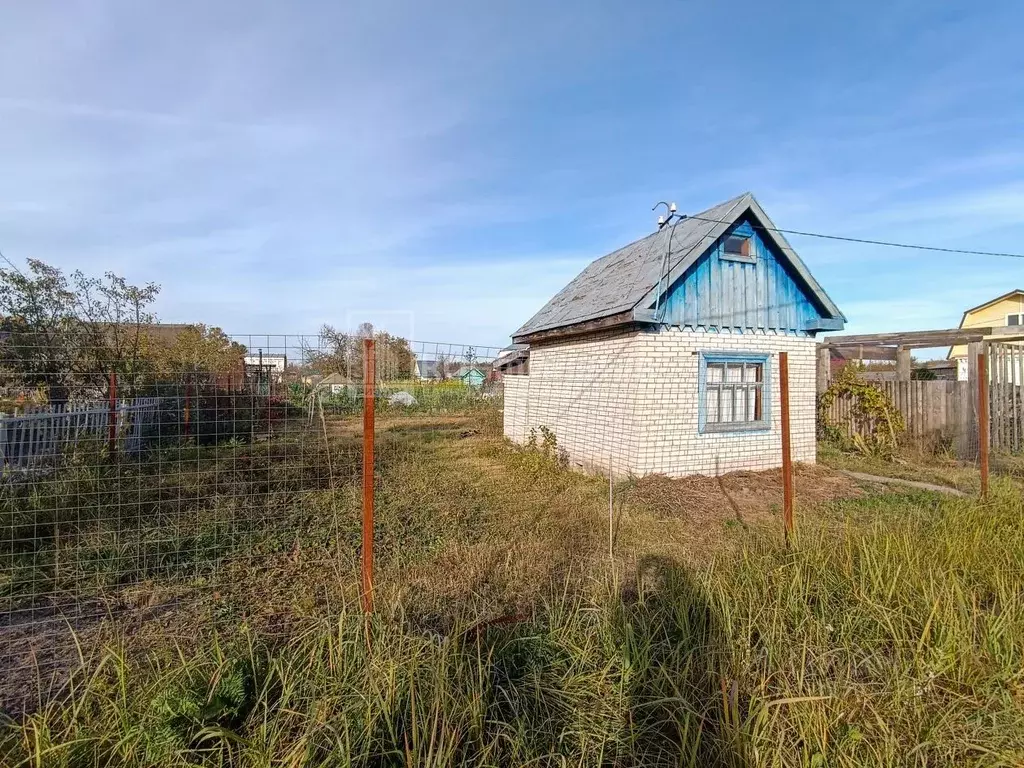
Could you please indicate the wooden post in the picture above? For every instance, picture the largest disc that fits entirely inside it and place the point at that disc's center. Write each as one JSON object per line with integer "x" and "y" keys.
{"x": 787, "y": 462}
{"x": 983, "y": 421}
{"x": 112, "y": 416}
{"x": 824, "y": 368}
{"x": 902, "y": 364}
{"x": 967, "y": 416}
{"x": 369, "y": 381}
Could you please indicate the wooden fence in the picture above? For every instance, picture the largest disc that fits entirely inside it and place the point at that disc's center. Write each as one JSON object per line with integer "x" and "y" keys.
{"x": 933, "y": 412}
{"x": 945, "y": 412}
{"x": 32, "y": 439}
{"x": 1006, "y": 377}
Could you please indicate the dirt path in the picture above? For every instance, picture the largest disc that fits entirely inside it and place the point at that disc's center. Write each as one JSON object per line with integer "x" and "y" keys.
{"x": 899, "y": 481}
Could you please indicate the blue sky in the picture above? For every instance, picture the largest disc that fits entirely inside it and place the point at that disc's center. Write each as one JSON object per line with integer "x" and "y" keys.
{"x": 443, "y": 168}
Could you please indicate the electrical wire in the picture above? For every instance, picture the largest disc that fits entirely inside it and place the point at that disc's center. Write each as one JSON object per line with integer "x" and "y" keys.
{"x": 864, "y": 241}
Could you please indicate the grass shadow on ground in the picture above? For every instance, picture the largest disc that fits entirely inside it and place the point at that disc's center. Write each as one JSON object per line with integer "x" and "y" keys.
{"x": 675, "y": 652}
{"x": 627, "y": 678}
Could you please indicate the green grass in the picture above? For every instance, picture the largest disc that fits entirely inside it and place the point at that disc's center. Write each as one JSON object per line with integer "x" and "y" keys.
{"x": 450, "y": 396}
{"x": 939, "y": 469}
{"x": 902, "y": 643}
{"x": 891, "y": 631}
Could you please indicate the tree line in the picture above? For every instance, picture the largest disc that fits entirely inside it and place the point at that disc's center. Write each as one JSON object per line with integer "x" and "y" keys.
{"x": 63, "y": 334}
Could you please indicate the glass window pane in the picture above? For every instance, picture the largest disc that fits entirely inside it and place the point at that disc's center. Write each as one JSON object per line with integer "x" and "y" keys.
{"x": 712, "y": 404}
{"x": 737, "y": 245}
{"x": 727, "y": 395}
{"x": 734, "y": 392}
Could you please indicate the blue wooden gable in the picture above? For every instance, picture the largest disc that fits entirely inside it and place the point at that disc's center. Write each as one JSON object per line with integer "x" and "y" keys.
{"x": 721, "y": 292}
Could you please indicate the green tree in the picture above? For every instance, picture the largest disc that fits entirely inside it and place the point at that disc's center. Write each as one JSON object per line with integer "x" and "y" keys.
{"x": 197, "y": 353}
{"x": 66, "y": 333}
{"x": 340, "y": 352}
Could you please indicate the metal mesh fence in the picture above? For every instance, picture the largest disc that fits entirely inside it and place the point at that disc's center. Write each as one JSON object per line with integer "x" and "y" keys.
{"x": 207, "y": 482}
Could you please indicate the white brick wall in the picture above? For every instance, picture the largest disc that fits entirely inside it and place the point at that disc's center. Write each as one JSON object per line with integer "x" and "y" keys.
{"x": 630, "y": 400}
{"x": 584, "y": 392}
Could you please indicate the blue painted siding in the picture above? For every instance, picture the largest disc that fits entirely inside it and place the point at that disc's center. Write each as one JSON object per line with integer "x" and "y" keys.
{"x": 722, "y": 294}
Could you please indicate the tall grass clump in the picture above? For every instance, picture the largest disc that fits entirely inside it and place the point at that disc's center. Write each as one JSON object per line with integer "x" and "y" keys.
{"x": 896, "y": 641}
{"x": 900, "y": 642}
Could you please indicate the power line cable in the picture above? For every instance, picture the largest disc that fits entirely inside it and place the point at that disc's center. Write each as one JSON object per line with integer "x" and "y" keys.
{"x": 864, "y": 241}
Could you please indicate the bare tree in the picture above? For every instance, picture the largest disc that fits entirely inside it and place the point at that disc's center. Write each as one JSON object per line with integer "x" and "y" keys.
{"x": 442, "y": 364}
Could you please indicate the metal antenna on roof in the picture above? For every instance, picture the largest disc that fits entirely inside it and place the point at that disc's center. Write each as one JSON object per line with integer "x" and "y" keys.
{"x": 666, "y": 259}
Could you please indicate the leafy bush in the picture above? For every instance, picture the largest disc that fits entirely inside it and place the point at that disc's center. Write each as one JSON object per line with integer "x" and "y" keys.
{"x": 878, "y": 424}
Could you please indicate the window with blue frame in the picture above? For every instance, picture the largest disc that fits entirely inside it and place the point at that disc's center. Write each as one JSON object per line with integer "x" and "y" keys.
{"x": 733, "y": 389}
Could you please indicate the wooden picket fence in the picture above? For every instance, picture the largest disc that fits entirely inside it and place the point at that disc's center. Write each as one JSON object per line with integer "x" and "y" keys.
{"x": 945, "y": 412}
{"x": 1006, "y": 398}
{"x": 35, "y": 438}
{"x": 933, "y": 411}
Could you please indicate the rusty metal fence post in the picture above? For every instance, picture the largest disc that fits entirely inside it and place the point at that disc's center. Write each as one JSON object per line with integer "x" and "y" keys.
{"x": 787, "y": 463}
{"x": 983, "y": 418}
{"x": 369, "y": 382}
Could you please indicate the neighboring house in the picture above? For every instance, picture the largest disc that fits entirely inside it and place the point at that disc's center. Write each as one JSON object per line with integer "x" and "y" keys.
{"x": 273, "y": 366}
{"x": 513, "y": 360}
{"x": 941, "y": 370}
{"x": 662, "y": 357}
{"x": 473, "y": 375}
{"x": 1001, "y": 312}
{"x": 426, "y": 369}
{"x": 336, "y": 384}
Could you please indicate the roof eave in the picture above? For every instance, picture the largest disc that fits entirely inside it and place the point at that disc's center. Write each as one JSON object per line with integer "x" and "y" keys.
{"x": 989, "y": 303}
{"x": 608, "y": 322}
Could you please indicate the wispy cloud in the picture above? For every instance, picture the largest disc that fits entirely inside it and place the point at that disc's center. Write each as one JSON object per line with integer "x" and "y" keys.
{"x": 455, "y": 166}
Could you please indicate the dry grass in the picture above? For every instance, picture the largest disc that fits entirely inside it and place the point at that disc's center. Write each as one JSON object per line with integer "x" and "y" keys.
{"x": 508, "y": 634}
{"x": 738, "y": 495}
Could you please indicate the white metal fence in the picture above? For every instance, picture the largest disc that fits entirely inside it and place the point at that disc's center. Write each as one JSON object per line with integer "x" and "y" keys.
{"x": 31, "y": 439}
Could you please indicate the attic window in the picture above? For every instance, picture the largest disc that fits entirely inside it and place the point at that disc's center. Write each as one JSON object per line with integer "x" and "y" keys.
{"x": 738, "y": 248}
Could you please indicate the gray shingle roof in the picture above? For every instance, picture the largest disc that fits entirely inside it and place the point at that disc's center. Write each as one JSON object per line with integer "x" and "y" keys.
{"x": 629, "y": 276}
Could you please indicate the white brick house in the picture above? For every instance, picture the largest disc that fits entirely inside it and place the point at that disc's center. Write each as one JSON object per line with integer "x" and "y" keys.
{"x": 662, "y": 357}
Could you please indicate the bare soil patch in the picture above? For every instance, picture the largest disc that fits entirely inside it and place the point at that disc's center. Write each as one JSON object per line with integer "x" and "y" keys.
{"x": 744, "y": 496}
